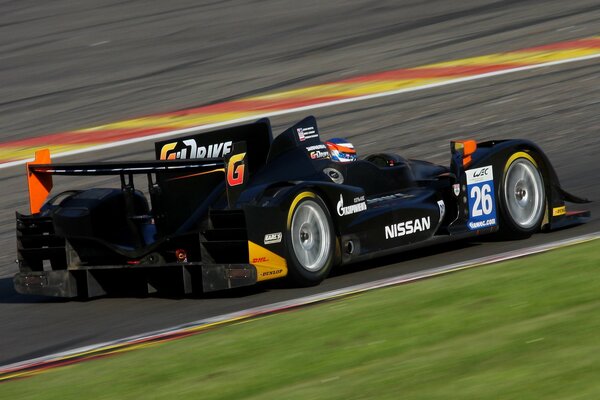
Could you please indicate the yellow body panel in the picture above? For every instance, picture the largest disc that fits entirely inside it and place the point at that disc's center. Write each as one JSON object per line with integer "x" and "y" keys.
{"x": 268, "y": 264}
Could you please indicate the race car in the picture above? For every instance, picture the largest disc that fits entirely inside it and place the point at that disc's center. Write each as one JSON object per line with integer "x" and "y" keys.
{"x": 235, "y": 207}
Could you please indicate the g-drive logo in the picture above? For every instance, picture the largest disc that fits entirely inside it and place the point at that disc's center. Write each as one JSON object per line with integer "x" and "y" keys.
{"x": 192, "y": 150}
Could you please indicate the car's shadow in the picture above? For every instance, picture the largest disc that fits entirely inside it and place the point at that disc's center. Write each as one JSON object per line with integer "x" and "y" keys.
{"x": 405, "y": 256}
{"x": 8, "y": 295}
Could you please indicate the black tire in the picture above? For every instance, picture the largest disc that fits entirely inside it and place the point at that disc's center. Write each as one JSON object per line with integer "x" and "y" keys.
{"x": 522, "y": 197}
{"x": 310, "y": 240}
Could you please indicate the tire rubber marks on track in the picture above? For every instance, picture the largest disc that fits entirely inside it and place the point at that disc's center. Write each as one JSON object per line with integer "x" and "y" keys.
{"x": 359, "y": 88}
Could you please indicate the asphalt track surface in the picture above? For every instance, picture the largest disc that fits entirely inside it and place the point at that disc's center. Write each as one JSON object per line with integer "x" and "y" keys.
{"x": 70, "y": 65}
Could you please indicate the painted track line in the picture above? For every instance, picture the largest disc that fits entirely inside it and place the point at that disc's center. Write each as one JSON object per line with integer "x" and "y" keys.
{"x": 36, "y": 366}
{"x": 321, "y": 96}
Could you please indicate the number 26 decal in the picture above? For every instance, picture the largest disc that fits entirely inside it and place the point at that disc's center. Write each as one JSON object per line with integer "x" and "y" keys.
{"x": 483, "y": 201}
{"x": 482, "y": 204}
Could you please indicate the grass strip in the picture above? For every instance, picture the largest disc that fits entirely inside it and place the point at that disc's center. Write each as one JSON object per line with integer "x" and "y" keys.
{"x": 523, "y": 329}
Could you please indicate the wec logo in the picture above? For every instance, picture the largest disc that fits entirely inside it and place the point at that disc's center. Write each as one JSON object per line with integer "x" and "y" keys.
{"x": 477, "y": 175}
{"x": 482, "y": 172}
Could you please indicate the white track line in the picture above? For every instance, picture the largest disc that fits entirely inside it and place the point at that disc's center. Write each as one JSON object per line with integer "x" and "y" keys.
{"x": 303, "y": 301}
{"x": 305, "y": 108}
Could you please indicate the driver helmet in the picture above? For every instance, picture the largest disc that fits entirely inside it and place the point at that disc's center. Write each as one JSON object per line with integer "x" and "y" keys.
{"x": 341, "y": 150}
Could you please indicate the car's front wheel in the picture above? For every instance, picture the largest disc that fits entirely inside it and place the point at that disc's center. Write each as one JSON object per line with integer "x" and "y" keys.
{"x": 310, "y": 240}
{"x": 522, "y": 196}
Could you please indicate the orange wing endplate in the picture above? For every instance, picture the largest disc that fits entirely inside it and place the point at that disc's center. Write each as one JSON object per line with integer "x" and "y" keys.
{"x": 39, "y": 184}
{"x": 468, "y": 147}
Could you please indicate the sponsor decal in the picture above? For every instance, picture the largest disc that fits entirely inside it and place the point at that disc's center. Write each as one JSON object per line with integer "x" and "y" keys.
{"x": 482, "y": 224}
{"x": 389, "y": 197}
{"x": 407, "y": 227}
{"x": 192, "y": 150}
{"x": 442, "y": 207}
{"x": 272, "y": 272}
{"x": 272, "y": 238}
{"x": 349, "y": 210}
{"x": 335, "y": 175}
{"x": 482, "y": 201}
{"x": 306, "y": 133}
{"x": 235, "y": 170}
{"x": 268, "y": 265}
{"x": 456, "y": 189}
{"x": 166, "y": 152}
{"x": 557, "y": 211}
{"x": 478, "y": 175}
{"x": 317, "y": 152}
{"x": 319, "y": 155}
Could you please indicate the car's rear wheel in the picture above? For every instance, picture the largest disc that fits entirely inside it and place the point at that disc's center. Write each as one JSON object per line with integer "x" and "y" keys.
{"x": 522, "y": 196}
{"x": 310, "y": 240}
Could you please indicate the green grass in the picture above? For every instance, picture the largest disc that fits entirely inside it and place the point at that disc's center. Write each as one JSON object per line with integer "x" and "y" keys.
{"x": 524, "y": 329}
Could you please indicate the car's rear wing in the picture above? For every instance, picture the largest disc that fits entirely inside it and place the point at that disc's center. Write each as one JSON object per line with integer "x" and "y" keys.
{"x": 41, "y": 170}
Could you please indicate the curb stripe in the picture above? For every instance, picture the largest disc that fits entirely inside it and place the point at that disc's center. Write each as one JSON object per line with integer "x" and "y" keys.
{"x": 253, "y": 117}
{"x": 434, "y": 72}
{"x": 358, "y": 88}
{"x": 36, "y": 366}
{"x": 591, "y": 42}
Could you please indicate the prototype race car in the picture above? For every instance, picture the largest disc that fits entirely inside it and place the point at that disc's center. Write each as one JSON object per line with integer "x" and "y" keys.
{"x": 234, "y": 207}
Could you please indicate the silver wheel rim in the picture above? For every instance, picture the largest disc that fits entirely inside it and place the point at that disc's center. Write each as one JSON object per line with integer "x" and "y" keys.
{"x": 524, "y": 193}
{"x": 310, "y": 236}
